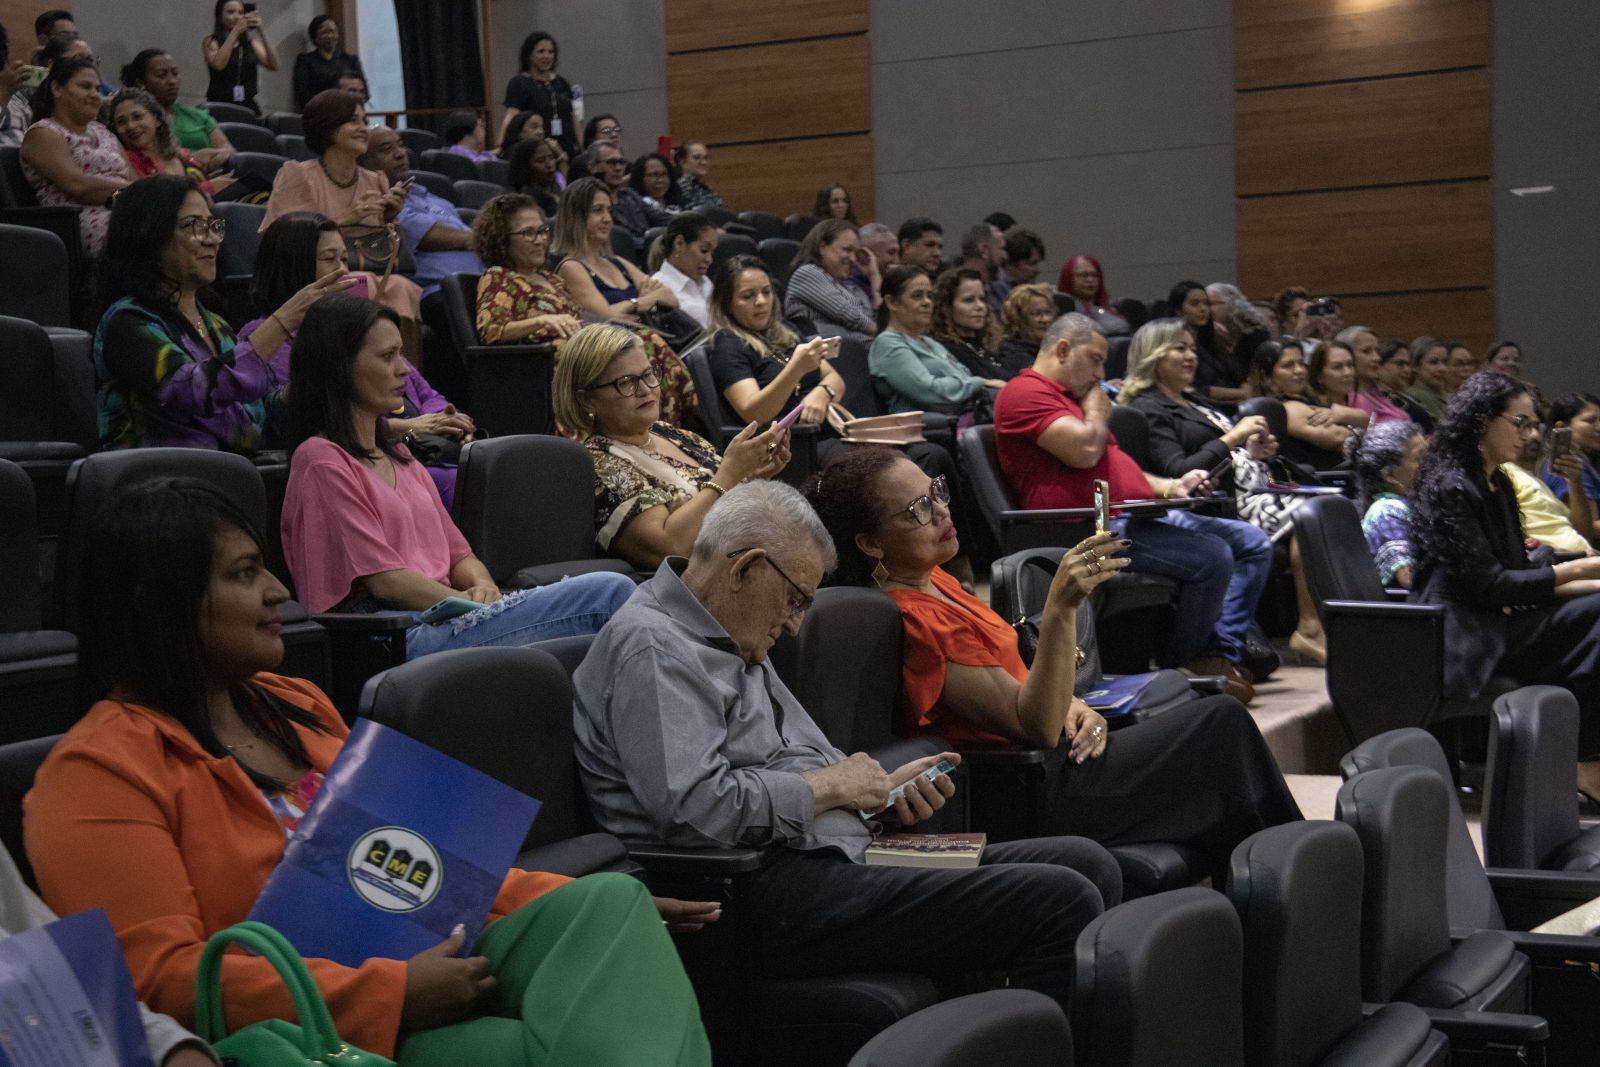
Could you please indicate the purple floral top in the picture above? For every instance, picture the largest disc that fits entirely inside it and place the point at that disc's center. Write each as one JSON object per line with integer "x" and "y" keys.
{"x": 419, "y": 394}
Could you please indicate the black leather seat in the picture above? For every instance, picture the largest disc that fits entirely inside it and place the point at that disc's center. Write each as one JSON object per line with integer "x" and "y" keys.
{"x": 262, "y": 167}
{"x": 236, "y": 258}
{"x": 778, "y": 254}
{"x": 795, "y": 227}
{"x": 495, "y": 170}
{"x": 518, "y": 730}
{"x": 46, "y": 411}
{"x": 1272, "y": 409}
{"x": 1158, "y": 984}
{"x": 1297, "y": 889}
{"x": 38, "y": 667}
{"x": 420, "y": 141}
{"x": 474, "y": 192}
{"x": 249, "y": 136}
{"x": 1132, "y": 431}
{"x": 19, "y": 762}
{"x": 293, "y": 146}
{"x": 36, "y": 283}
{"x": 443, "y": 161}
{"x": 509, "y": 384}
{"x": 282, "y": 122}
{"x": 999, "y": 1028}
{"x": 723, "y": 425}
{"x": 728, "y": 246}
{"x": 764, "y": 223}
{"x": 436, "y": 183}
{"x": 526, "y": 506}
{"x": 226, "y": 112}
{"x": 1530, "y": 811}
{"x": 1117, "y": 358}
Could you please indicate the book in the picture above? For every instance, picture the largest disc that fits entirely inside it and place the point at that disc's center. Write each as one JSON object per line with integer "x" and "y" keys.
{"x": 1581, "y": 921}
{"x": 401, "y": 843}
{"x": 1117, "y": 694}
{"x": 66, "y": 997}
{"x": 902, "y": 429}
{"x": 926, "y": 850}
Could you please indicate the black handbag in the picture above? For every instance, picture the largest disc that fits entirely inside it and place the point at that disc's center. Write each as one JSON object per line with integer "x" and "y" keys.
{"x": 677, "y": 326}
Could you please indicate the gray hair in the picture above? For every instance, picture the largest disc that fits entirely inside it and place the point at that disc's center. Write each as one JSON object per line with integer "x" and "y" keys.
{"x": 1374, "y": 451}
{"x": 1240, "y": 309}
{"x": 1351, "y": 334}
{"x": 1071, "y": 327}
{"x": 974, "y": 237}
{"x": 762, "y": 514}
{"x": 874, "y": 229}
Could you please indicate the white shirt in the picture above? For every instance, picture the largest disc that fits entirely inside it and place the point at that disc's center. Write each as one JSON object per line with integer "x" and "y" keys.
{"x": 692, "y": 295}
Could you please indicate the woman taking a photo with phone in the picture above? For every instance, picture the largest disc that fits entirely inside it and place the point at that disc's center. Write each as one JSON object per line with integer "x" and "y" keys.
{"x": 235, "y": 51}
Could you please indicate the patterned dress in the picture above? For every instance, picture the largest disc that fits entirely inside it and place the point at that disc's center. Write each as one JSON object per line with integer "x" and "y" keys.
{"x": 629, "y": 480}
{"x": 506, "y": 296}
{"x": 1387, "y": 525}
{"x": 99, "y": 154}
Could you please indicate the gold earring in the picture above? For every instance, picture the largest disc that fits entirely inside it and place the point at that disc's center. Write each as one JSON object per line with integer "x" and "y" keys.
{"x": 880, "y": 574}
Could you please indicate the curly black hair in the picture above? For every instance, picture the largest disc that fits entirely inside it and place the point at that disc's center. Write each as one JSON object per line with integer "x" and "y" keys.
{"x": 844, "y": 495}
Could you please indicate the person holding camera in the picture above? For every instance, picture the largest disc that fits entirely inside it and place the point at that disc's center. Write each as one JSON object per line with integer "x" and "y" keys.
{"x": 235, "y": 51}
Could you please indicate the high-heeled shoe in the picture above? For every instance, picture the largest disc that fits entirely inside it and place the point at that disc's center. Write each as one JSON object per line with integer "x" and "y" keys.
{"x": 1305, "y": 648}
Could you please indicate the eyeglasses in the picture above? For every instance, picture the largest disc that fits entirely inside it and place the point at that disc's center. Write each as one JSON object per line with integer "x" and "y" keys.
{"x": 921, "y": 509}
{"x": 531, "y": 232}
{"x": 799, "y": 601}
{"x": 629, "y": 384}
{"x": 198, "y": 226}
{"x": 1523, "y": 423}
{"x": 614, "y": 162}
{"x": 607, "y": 131}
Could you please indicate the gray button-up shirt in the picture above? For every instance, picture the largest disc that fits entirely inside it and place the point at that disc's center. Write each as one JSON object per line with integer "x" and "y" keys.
{"x": 679, "y": 740}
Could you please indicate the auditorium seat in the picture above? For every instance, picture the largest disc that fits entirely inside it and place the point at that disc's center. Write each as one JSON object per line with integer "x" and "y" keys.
{"x": 47, "y": 413}
{"x": 20, "y": 207}
{"x": 730, "y": 245}
{"x": 509, "y": 384}
{"x": 236, "y": 258}
{"x": 1132, "y": 432}
{"x": 861, "y": 392}
{"x": 38, "y": 667}
{"x": 795, "y": 227}
{"x": 225, "y": 112}
{"x": 19, "y": 763}
{"x": 764, "y": 223}
{"x": 437, "y": 184}
{"x": 723, "y": 425}
{"x": 525, "y": 504}
{"x": 443, "y": 161}
{"x": 996, "y": 1028}
{"x": 262, "y": 167}
{"x": 1117, "y": 358}
{"x": 1297, "y": 891}
{"x": 284, "y": 122}
{"x": 1530, "y": 809}
{"x": 472, "y": 192}
{"x": 1271, "y": 409}
{"x": 420, "y": 141}
{"x": 778, "y": 254}
{"x": 293, "y": 146}
{"x": 495, "y": 170}
{"x": 249, "y": 137}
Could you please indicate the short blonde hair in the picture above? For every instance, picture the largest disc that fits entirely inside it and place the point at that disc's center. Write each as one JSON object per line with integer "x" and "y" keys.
{"x": 1150, "y": 345}
{"x": 584, "y": 358}
{"x": 1014, "y": 312}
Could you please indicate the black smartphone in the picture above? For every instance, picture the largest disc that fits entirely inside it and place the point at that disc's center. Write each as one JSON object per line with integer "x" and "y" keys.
{"x": 1560, "y": 441}
{"x": 249, "y": 9}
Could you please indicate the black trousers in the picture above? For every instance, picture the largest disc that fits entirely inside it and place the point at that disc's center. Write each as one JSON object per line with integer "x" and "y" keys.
{"x": 1199, "y": 774}
{"x": 1560, "y": 645}
{"x": 812, "y": 914}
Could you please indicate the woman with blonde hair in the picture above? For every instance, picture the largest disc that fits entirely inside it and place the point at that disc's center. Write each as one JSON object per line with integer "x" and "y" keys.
{"x": 1024, "y": 317}
{"x": 653, "y": 483}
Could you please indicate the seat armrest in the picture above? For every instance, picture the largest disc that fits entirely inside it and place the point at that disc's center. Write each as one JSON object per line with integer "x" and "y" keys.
{"x": 365, "y": 622}
{"x": 1529, "y": 897}
{"x": 1047, "y": 515}
{"x": 657, "y": 858}
{"x": 1481, "y": 1028}
{"x": 1209, "y": 684}
{"x": 1002, "y": 757}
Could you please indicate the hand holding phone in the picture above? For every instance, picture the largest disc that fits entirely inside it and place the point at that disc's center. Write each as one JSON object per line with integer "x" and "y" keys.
{"x": 944, "y": 766}
{"x": 788, "y": 420}
{"x": 449, "y": 608}
{"x": 1560, "y": 441}
{"x": 357, "y": 285}
{"x": 1102, "y": 505}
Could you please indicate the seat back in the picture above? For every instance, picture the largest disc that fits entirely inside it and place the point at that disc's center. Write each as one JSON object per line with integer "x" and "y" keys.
{"x": 795, "y": 227}
{"x": 225, "y": 112}
{"x": 1470, "y": 898}
{"x": 22, "y": 607}
{"x": 1271, "y": 409}
{"x": 282, "y": 122}
{"x": 28, "y": 363}
{"x": 35, "y": 283}
{"x": 1532, "y": 778}
{"x": 237, "y": 256}
{"x": 730, "y": 245}
{"x": 460, "y": 293}
{"x": 1400, "y": 814}
{"x": 249, "y": 137}
{"x": 420, "y": 141}
{"x": 857, "y": 708}
{"x": 1117, "y": 361}
{"x": 517, "y": 725}
{"x": 97, "y": 479}
{"x": 778, "y": 253}
{"x": 1297, "y": 889}
{"x": 437, "y": 184}
{"x": 19, "y": 763}
{"x": 1132, "y": 431}
{"x": 860, "y": 394}
{"x": 997, "y": 1028}
{"x": 1158, "y": 983}
{"x": 474, "y": 192}
{"x": 764, "y": 223}
{"x": 1333, "y": 551}
{"x": 261, "y": 166}
{"x": 982, "y": 464}
{"x": 443, "y": 161}
{"x": 526, "y": 500}
{"x": 293, "y": 146}
{"x": 14, "y": 181}
{"x": 495, "y": 170}
{"x": 718, "y": 419}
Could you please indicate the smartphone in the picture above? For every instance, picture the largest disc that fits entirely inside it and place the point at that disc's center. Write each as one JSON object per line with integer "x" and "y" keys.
{"x": 944, "y": 766}
{"x": 1322, "y": 307}
{"x": 249, "y": 9}
{"x": 359, "y": 286}
{"x": 1560, "y": 441}
{"x": 788, "y": 420}
{"x": 1102, "y": 505}
{"x": 449, "y": 608}
{"x": 34, "y": 77}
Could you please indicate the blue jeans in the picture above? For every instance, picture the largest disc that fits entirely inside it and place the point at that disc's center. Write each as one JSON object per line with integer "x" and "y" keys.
{"x": 577, "y": 605}
{"x": 1221, "y": 566}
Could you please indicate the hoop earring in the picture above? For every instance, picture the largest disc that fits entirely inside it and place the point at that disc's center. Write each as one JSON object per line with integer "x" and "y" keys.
{"x": 880, "y": 574}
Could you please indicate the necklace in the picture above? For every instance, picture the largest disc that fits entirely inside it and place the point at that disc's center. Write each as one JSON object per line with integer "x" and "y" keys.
{"x": 355, "y": 174}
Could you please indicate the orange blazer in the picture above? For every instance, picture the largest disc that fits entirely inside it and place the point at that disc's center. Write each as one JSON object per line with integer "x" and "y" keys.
{"x": 130, "y": 814}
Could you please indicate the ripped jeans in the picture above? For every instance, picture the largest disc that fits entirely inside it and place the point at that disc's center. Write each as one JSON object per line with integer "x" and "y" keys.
{"x": 580, "y": 604}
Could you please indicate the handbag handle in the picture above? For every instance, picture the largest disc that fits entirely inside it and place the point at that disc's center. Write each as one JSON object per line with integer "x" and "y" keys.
{"x": 319, "y": 1039}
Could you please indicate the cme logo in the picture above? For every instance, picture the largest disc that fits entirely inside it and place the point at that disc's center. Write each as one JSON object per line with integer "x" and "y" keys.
{"x": 394, "y": 869}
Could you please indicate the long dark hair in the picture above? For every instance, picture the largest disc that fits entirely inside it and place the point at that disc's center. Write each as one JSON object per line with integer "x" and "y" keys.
{"x": 286, "y": 261}
{"x": 1205, "y": 336}
{"x": 321, "y": 373}
{"x": 62, "y": 71}
{"x": 844, "y": 495}
{"x": 529, "y": 43}
{"x": 142, "y": 222}
{"x": 636, "y": 178}
{"x": 1453, "y": 459}
{"x": 142, "y": 595}
{"x": 513, "y": 138}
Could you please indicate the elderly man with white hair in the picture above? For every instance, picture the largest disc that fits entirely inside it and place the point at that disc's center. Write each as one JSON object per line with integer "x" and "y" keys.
{"x": 686, "y": 735}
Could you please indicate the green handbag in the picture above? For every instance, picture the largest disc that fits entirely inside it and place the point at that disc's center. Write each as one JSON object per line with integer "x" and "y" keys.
{"x": 275, "y": 1042}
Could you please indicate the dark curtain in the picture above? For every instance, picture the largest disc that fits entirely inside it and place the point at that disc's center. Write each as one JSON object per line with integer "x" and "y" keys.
{"x": 439, "y": 56}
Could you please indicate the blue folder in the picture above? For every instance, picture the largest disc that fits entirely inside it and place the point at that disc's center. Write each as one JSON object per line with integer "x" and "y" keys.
{"x": 66, "y": 997}
{"x": 401, "y": 844}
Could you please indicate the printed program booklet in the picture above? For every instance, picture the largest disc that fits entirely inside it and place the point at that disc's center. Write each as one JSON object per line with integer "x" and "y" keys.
{"x": 926, "y": 850}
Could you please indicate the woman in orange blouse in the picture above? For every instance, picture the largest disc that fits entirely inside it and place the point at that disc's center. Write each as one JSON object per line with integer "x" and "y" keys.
{"x": 169, "y": 804}
{"x": 1199, "y": 774}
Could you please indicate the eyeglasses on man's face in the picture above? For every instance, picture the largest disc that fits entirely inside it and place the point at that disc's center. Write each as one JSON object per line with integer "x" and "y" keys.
{"x": 800, "y": 601}
{"x": 629, "y": 384}
{"x": 921, "y": 509}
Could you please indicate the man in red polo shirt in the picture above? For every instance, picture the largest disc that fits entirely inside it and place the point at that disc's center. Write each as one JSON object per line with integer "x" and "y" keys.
{"x": 1053, "y": 437}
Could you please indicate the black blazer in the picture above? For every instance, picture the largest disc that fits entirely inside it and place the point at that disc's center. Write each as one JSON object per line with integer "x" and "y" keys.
{"x": 1490, "y": 578}
{"x": 1182, "y": 439}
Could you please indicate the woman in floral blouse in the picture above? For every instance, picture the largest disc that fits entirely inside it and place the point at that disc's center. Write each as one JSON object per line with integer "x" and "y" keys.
{"x": 521, "y": 299}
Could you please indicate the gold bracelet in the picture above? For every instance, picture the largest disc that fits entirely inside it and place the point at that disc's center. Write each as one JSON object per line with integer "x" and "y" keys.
{"x": 710, "y": 484}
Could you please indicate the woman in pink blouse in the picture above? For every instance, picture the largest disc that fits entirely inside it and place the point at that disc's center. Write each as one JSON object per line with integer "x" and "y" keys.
{"x": 1368, "y": 393}
{"x": 363, "y": 527}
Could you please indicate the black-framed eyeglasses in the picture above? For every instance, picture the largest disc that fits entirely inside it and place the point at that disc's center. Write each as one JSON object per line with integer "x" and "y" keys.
{"x": 614, "y": 162}
{"x": 921, "y": 509}
{"x": 532, "y": 232}
{"x": 629, "y": 384}
{"x": 1522, "y": 422}
{"x": 800, "y": 601}
{"x": 198, "y": 226}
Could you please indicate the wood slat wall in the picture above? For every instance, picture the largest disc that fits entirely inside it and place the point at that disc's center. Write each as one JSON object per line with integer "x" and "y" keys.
{"x": 780, "y": 92}
{"x": 1362, "y": 159}
{"x": 17, "y": 17}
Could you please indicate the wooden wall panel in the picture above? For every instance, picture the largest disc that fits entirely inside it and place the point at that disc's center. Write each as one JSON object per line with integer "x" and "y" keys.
{"x": 772, "y": 92}
{"x": 1297, "y": 42}
{"x": 700, "y": 24}
{"x": 783, "y": 177}
{"x": 1367, "y": 240}
{"x": 1421, "y": 128}
{"x": 17, "y": 17}
{"x": 1465, "y": 315}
